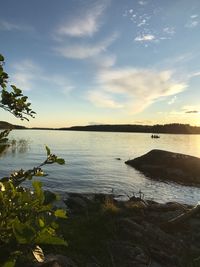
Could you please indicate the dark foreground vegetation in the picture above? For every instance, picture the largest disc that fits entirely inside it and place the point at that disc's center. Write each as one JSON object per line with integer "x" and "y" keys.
{"x": 104, "y": 232}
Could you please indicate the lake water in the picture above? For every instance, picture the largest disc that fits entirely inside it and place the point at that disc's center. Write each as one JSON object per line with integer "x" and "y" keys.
{"x": 91, "y": 164}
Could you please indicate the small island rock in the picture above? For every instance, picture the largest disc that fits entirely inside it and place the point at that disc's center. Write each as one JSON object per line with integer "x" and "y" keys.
{"x": 164, "y": 165}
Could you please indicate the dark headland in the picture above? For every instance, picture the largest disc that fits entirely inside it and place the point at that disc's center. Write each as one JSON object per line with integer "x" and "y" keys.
{"x": 7, "y": 125}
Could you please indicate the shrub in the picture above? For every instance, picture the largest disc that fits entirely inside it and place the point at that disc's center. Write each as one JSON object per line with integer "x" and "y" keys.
{"x": 28, "y": 218}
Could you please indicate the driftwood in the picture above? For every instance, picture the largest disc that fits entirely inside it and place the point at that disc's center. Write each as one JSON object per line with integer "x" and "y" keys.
{"x": 181, "y": 219}
{"x": 185, "y": 216}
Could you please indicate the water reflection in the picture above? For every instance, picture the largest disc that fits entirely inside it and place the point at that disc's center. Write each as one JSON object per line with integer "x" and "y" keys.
{"x": 14, "y": 146}
{"x": 91, "y": 165}
{"x": 20, "y": 146}
{"x": 3, "y": 148}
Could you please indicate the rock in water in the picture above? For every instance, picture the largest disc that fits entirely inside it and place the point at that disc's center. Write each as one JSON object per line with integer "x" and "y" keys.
{"x": 164, "y": 165}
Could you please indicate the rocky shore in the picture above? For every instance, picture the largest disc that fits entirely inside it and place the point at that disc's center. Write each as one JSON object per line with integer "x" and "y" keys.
{"x": 168, "y": 166}
{"x": 104, "y": 232}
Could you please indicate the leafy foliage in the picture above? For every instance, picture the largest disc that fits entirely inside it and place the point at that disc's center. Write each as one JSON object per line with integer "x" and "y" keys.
{"x": 26, "y": 221}
{"x": 13, "y": 101}
{"x": 27, "y": 216}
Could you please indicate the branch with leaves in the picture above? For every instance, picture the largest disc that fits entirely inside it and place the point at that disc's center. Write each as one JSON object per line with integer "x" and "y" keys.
{"x": 27, "y": 216}
{"x": 13, "y": 101}
{"x": 17, "y": 177}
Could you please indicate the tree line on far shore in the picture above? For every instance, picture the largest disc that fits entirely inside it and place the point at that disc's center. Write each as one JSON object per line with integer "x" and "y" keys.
{"x": 172, "y": 128}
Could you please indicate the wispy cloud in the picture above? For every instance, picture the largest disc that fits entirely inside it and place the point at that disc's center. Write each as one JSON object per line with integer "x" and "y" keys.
{"x": 194, "y": 16}
{"x": 172, "y": 100}
{"x": 103, "y": 61}
{"x": 27, "y": 75}
{"x": 142, "y": 3}
{"x": 182, "y": 114}
{"x": 177, "y": 62}
{"x": 10, "y": 26}
{"x": 85, "y": 50}
{"x": 144, "y": 19}
{"x": 86, "y": 24}
{"x": 165, "y": 34}
{"x": 169, "y": 30}
{"x": 193, "y": 21}
{"x": 24, "y": 74}
{"x": 191, "y": 109}
{"x": 61, "y": 82}
{"x": 103, "y": 99}
{"x": 192, "y": 24}
{"x": 195, "y": 74}
{"x": 145, "y": 38}
{"x": 138, "y": 88}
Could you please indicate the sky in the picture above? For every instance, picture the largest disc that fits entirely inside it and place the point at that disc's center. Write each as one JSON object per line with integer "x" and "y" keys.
{"x": 84, "y": 62}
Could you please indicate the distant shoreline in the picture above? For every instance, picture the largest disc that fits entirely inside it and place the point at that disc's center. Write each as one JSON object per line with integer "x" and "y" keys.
{"x": 174, "y": 128}
{"x": 128, "y": 128}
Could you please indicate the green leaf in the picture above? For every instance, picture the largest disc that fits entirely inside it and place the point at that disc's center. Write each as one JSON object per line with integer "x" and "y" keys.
{"x": 23, "y": 232}
{"x": 41, "y": 223}
{"x": 37, "y": 185}
{"x": 60, "y": 213}
{"x": 47, "y": 238}
{"x": 48, "y": 150}
{"x": 16, "y": 90}
{"x": 60, "y": 161}
{"x": 54, "y": 225}
{"x": 9, "y": 263}
{"x": 1, "y": 58}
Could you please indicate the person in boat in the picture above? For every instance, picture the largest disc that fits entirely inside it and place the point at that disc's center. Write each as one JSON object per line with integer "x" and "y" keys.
{"x": 155, "y": 136}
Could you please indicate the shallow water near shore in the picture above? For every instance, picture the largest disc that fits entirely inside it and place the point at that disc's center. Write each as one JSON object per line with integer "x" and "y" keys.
{"x": 91, "y": 164}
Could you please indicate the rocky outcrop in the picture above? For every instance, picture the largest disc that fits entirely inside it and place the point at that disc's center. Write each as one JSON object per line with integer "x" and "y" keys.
{"x": 136, "y": 232}
{"x": 164, "y": 165}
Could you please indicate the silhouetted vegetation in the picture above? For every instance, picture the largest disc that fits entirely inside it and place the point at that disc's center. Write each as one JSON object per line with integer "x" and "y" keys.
{"x": 173, "y": 128}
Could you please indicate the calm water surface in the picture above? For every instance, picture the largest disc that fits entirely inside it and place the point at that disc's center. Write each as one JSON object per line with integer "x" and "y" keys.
{"x": 91, "y": 165}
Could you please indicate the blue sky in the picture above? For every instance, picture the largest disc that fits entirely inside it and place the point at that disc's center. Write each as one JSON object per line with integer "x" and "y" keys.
{"x": 110, "y": 61}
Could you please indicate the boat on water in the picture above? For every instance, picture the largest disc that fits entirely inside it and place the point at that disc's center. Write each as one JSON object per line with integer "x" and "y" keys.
{"x": 155, "y": 136}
